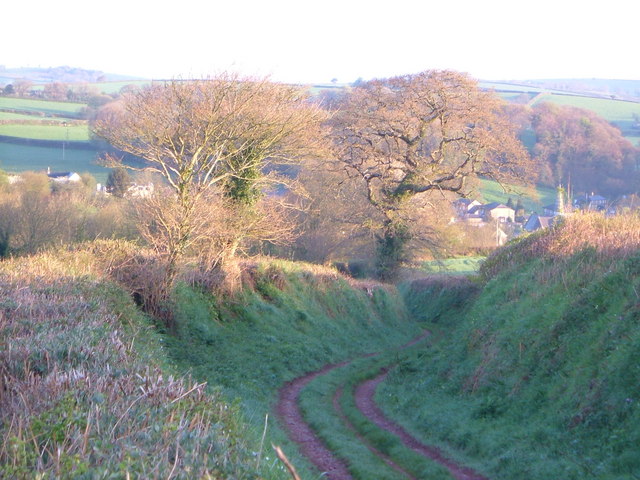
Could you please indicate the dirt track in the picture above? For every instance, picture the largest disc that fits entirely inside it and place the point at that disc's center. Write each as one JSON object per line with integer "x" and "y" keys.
{"x": 301, "y": 433}
{"x": 325, "y": 460}
{"x": 364, "y": 397}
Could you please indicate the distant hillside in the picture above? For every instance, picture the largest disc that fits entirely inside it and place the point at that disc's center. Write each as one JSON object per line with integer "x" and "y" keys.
{"x": 591, "y": 87}
{"x": 620, "y": 89}
{"x": 64, "y": 74}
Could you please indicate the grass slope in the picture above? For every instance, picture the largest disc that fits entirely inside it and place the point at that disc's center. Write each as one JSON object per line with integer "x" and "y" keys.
{"x": 86, "y": 391}
{"x": 618, "y": 112}
{"x": 533, "y": 198}
{"x": 537, "y": 375}
{"x": 292, "y": 319}
{"x": 62, "y": 133}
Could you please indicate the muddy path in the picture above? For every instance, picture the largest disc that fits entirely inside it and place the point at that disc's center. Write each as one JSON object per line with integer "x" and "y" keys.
{"x": 301, "y": 433}
{"x": 313, "y": 447}
{"x": 338, "y": 408}
{"x": 365, "y": 401}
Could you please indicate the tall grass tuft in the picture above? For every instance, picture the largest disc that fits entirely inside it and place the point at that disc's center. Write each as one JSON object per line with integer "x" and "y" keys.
{"x": 609, "y": 237}
{"x": 85, "y": 392}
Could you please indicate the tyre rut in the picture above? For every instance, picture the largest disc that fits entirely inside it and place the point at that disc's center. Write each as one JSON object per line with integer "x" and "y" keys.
{"x": 314, "y": 448}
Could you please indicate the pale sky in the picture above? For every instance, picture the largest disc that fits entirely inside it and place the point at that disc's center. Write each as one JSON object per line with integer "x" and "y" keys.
{"x": 314, "y": 42}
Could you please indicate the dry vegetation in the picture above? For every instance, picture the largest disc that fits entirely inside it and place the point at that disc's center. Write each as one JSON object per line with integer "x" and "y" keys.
{"x": 617, "y": 236}
{"x": 82, "y": 393}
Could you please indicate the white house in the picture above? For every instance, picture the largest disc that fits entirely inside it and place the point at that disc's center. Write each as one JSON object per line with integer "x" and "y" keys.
{"x": 464, "y": 205}
{"x": 494, "y": 211}
{"x": 140, "y": 191}
{"x": 64, "y": 177}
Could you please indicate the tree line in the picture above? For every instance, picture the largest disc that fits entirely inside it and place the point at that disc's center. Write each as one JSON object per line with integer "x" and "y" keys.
{"x": 391, "y": 148}
{"x": 245, "y": 164}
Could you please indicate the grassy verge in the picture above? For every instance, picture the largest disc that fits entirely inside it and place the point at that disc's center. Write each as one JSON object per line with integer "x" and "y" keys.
{"x": 86, "y": 391}
{"x": 536, "y": 376}
{"x": 291, "y": 319}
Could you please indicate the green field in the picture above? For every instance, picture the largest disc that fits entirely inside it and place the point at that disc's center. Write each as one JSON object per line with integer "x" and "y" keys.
{"x": 634, "y": 139}
{"x": 115, "y": 87}
{"x": 19, "y": 158}
{"x": 70, "y": 109}
{"x": 69, "y": 133}
{"x": 454, "y": 266}
{"x": 510, "y": 87}
{"x": 28, "y": 117}
{"x": 533, "y": 199}
{"x": 617, "y": 112}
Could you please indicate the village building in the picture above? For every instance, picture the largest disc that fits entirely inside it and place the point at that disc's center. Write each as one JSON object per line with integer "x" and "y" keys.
{"x": 64, "y": 177}
{"x": 463, "y": 205}
{"x": 140, "y": 191}
{"x": 536, "y": 222}
{"x": 495, "y": 211}
{"x": 475, "y": 213}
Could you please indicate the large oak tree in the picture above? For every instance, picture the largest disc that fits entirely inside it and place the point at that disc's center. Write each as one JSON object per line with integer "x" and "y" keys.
{"x": 408, "y": 136}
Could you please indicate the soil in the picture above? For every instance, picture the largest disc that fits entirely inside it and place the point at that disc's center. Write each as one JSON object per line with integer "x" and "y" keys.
{"x": 338, "y": 408}
{"x": 301, "y": 433}
{"x": 365, "y": 401}
{"x": 334, "y": 468}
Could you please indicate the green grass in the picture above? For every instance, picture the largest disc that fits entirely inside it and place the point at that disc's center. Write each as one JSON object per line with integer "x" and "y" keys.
{"x": 634, "y": 139}
{"x": 27, "y": 117}
{"x": 17, "y": 158}
{"x": 115, "y": 87}
{"x": 617, "y": 112}
{"x": 70, "y": 133}
{"x": 454, "y": 266}
{"x": 294, "y": 320}
{"x": 70, "y": 109}
{"x": 533, "y": 199}
{"x": 317, "y": 404}
{"x": 537, "y": 373}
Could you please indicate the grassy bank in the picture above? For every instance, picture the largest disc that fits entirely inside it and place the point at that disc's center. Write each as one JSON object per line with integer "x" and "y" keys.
{"x": 537, "y": 375}
{"x": 289, "y": 320}
{"x": 86, "y": 390}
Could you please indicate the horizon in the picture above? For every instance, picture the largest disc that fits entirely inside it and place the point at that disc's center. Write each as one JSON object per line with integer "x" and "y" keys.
{"x": 127, "y": 77}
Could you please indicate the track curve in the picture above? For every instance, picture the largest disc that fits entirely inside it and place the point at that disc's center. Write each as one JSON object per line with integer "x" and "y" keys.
{"x": 313, "y": 447}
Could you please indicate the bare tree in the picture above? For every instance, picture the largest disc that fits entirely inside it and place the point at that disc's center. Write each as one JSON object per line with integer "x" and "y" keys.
{"x": 22, "y": 87}
{"x": 407, "y": 136}
{"x": 218, "y": 136}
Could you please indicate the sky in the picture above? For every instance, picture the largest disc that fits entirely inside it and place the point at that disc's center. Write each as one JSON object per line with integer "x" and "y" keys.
{"x": 317, "y": 42}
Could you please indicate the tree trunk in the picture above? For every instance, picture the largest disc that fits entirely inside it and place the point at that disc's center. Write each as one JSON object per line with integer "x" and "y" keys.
{"x": 391, "y": 250}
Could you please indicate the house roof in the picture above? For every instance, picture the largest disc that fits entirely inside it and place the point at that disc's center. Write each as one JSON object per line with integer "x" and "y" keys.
{"x": 61, "y": 174}
{"x": 493, "y": 205}
{"x": 474, "y": 209}
{"x": 535, "y": 221}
